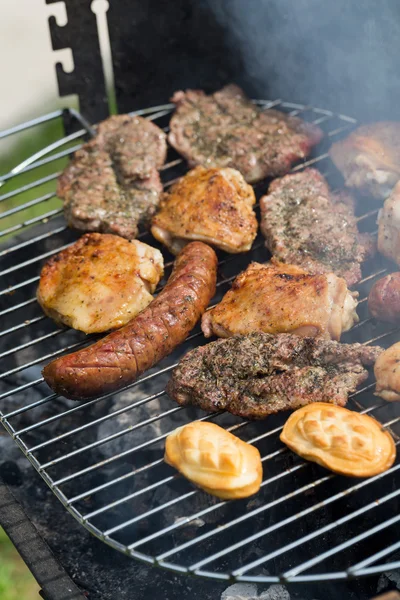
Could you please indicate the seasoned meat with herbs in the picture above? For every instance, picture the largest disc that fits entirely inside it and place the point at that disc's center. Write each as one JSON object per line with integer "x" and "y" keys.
{"x": 112, "y": 183}
{"x": 99, "y": 283}
{"x": 369, "y": 158}
{"x": 259, "y": 374}
{"x": 305, "y": 224}
{"x": 209, "y": 205}
{"x": 279, "y": 298}
{"x": 226, "y": 129}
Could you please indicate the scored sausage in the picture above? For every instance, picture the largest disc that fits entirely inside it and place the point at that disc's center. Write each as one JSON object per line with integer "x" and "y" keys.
{"x": 118, "y": 359}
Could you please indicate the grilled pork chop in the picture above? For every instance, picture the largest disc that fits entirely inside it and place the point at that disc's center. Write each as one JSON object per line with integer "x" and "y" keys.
{"x": 112, "y": 183}
{"x": 227, "y": 130}
{"x": 259, "y": 374}
{"x": 306, "y": 225}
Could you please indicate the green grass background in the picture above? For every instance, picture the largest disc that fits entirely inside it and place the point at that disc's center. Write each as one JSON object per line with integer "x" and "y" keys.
{"x": 16, "y": 581}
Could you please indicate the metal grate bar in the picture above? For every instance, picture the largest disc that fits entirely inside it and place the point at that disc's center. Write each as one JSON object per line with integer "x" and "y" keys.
{"x": 13, "y": 211}
{"x": 30, "y": 186}
{"x": 153, "y": 486}
{"x": 238, "y": 520}
{"x": 31, "y": 261}
{"x": 32, "y": 342}
{"x": 31, "y": 123}
{"x": 111, "y": 437}
{"x": 22, "y": 167}
{"x": 115, "y": 457}
{"x": 127, "y": 408}
{"x": 291, "y": 519}
{"x": 176, "y": 501}
{"x": 42, "y": 162}
{"x": 91, "y": 491}
{"x": 32, "y": 405}
{"x": 17, "y": 286}
{"x": 375, "y": 557}
{"x": 38, "y": 238}
{"x": 22, "y": 325}
{"x": 41, "y": 359}
{"x": 20, "y": 388}
{"x": 230, "y": 523}
{"x": 344, "y": 545}
{"x": 49, "y": 156}
{"x": 40, "y": 219}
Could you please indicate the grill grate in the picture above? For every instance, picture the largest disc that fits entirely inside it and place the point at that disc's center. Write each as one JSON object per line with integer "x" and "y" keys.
{"x": 103, "y": 458}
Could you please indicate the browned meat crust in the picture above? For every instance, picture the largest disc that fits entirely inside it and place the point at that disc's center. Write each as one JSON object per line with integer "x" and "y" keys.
{"x": 259, "y": 374}
{"x": 112, "y": 183}
{"x": 306, "y": 225}
{"x": 119, "y": 358}
{"x": 225, "y": 129}
{"x": 369, "y": 158}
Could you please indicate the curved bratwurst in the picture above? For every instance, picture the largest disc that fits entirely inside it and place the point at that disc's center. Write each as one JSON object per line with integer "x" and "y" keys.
{"x": 119, "y": 358}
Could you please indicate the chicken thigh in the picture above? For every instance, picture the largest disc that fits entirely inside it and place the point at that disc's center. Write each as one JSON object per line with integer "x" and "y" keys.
{"x": 279, "y": 298}
{"x": 369, "y": 158}
{"x": 207, "y": 205}
{"x": 100, "y": 282}
{"x": 389, "y": 226}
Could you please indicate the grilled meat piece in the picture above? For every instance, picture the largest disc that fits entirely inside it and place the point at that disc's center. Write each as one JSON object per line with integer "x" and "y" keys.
{"x": 369, "y": 158}
{"x": 384, "y": 298}
{"x": 209, "y": 205}
{"x": 259, "y": 374}
{"x": 99, "y": 283}
{"x": 389, "y": 226}
{"x": 112, "y": 183}
{"x": 227, "y": 130}
{"x": 306, "y": 225}
{"x": 278, "y": 298}
{"x": 118, "y": 359}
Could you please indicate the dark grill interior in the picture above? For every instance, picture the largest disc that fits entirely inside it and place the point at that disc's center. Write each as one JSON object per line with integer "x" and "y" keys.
{"x": 103, "y": 458}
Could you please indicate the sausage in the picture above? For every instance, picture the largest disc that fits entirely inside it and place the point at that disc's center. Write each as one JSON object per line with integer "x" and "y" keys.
{"x": 384, "y": 299}
{"x": 118, "y": 359}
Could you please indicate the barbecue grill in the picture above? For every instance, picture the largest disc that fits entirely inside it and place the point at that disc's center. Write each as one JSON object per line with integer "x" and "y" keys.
{"x": 103, "y": 459}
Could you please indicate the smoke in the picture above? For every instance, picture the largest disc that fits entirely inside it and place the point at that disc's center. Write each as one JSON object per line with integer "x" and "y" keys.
{"x": 341, "y": 55}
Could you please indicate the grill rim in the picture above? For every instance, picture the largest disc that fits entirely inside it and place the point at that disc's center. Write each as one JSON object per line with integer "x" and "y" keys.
{"x": 40, "y": 158}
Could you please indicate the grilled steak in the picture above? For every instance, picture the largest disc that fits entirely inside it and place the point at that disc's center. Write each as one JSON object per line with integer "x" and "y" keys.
{"x": 306, "y": 225}
{"x": 112, "y": 184}
{"x": 119, "y": 358}
{"x": 227, "y": 130}
{"x": 259, "y": 374}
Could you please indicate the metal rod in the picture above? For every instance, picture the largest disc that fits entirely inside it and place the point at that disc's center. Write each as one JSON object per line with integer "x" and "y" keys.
{"x": 29, "y": 186}
{"x": 40, "y": 219}
{"x": 34, "y": 240}
{"x": 354, "y": 540}
{"x": 31, "y": 123}
{"x": 17, "y": 209}
{"x": 291, "y": 519}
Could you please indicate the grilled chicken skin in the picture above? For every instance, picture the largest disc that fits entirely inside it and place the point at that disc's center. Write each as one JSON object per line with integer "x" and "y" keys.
{"x": 118, "y": 359}
{"x": 209, "y": 205}
{"x": 389, "y": 226}
{"x": 369, "y": 158}
{"x": 279, "y": 298}
{"x": 99, "y": 283}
